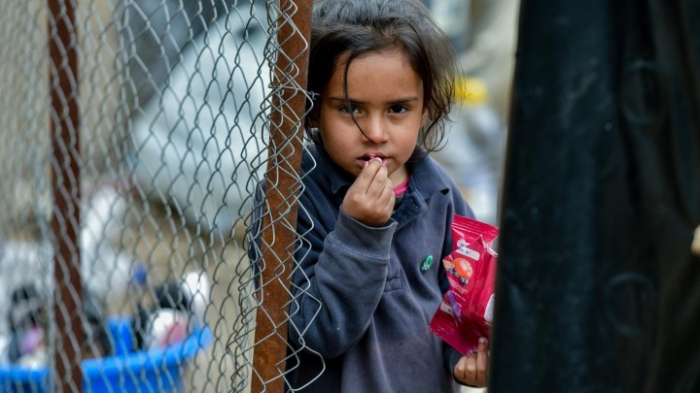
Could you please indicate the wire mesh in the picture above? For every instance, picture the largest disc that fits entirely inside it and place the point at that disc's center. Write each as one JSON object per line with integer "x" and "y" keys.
{"x": 130, "y": 173}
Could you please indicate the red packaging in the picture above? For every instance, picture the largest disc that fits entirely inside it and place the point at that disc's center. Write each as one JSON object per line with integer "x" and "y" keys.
{"x": 466, "y": 310}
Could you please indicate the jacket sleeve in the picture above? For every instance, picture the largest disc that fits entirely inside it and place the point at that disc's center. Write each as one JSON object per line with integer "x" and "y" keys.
{"x": 339, "y": 280}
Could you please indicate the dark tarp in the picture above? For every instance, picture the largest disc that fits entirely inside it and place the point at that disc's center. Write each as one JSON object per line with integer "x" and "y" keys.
{"x": 598, "y": 290}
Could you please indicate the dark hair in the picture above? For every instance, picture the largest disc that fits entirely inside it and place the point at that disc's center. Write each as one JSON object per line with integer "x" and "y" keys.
{"x": 356, "y": 27}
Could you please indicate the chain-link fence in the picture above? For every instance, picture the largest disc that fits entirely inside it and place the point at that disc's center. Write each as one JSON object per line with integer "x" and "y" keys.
{"x": 135, "y": 134}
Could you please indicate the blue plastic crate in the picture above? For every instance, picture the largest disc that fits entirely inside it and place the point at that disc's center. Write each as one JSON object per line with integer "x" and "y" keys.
{"x": 157, "y": 370}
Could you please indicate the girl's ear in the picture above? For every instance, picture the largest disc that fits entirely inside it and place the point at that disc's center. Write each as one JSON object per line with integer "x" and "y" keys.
{"x": 312, "y": 118}
{"x": 424, "y": 118}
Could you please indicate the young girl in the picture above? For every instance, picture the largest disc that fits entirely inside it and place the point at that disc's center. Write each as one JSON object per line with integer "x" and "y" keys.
{"x": 376, "y": 211}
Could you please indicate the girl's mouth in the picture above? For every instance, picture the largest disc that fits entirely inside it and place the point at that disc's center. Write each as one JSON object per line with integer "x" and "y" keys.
{"x": 366, "y": 159}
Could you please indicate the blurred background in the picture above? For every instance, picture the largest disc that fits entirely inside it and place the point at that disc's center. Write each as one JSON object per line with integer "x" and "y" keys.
{"x": 483, "y": 34}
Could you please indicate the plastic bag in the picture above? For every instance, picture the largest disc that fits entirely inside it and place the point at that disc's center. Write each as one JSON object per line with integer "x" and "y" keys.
{"x": 466, "y": 311}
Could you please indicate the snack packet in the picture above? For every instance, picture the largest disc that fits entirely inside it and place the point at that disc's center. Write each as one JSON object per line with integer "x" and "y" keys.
{"x": 466, "y": 310}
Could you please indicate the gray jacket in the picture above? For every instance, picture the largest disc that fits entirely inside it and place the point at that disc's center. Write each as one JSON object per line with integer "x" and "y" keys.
{"x": 362, "y": 304}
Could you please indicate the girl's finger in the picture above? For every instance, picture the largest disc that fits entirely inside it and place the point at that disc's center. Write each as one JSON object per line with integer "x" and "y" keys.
{"x": 470, "y": 368}
{"x": 471, "y": 373}
{"x": 482, "y": 361}
{"x": 461, "y": 369}
{"x": 388, "y": 198}
{"x": 378, "y": 182}
{"x": 366, "y": 177}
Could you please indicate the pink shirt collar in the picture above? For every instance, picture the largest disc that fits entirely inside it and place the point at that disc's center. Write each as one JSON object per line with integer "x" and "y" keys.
{"x": 401, "y": 188}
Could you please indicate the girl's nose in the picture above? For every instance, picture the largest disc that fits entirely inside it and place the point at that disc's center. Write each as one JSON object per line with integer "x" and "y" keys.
{"x": 375, "y": 130}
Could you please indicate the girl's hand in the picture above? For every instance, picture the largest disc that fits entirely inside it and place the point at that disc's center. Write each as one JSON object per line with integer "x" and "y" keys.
{"x": 472, "y": 370}
{"x": 370, "y": 199}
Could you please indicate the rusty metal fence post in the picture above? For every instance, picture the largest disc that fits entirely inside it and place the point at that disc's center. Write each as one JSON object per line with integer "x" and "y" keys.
{"x": 65, "y": 222}
{"x": 286, "y": 126}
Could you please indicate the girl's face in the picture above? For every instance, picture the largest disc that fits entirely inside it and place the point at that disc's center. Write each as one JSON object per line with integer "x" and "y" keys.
{"x": 386, "y": 99}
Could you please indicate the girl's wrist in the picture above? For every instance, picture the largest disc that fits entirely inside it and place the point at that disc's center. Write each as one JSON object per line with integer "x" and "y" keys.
{"x": 375, "y": 241}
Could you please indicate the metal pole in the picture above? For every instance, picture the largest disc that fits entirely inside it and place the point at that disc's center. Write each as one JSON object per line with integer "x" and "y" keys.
{"x": 286, "y": 128}
{"x": 65, "y": 222}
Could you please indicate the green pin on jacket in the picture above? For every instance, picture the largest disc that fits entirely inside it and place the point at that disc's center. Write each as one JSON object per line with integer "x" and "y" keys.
{"x": 426, "y": 263}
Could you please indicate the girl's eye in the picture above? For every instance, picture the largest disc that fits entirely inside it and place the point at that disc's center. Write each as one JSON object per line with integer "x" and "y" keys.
{"x": 398, "y": 108}
{"x": 351, "y": 109}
